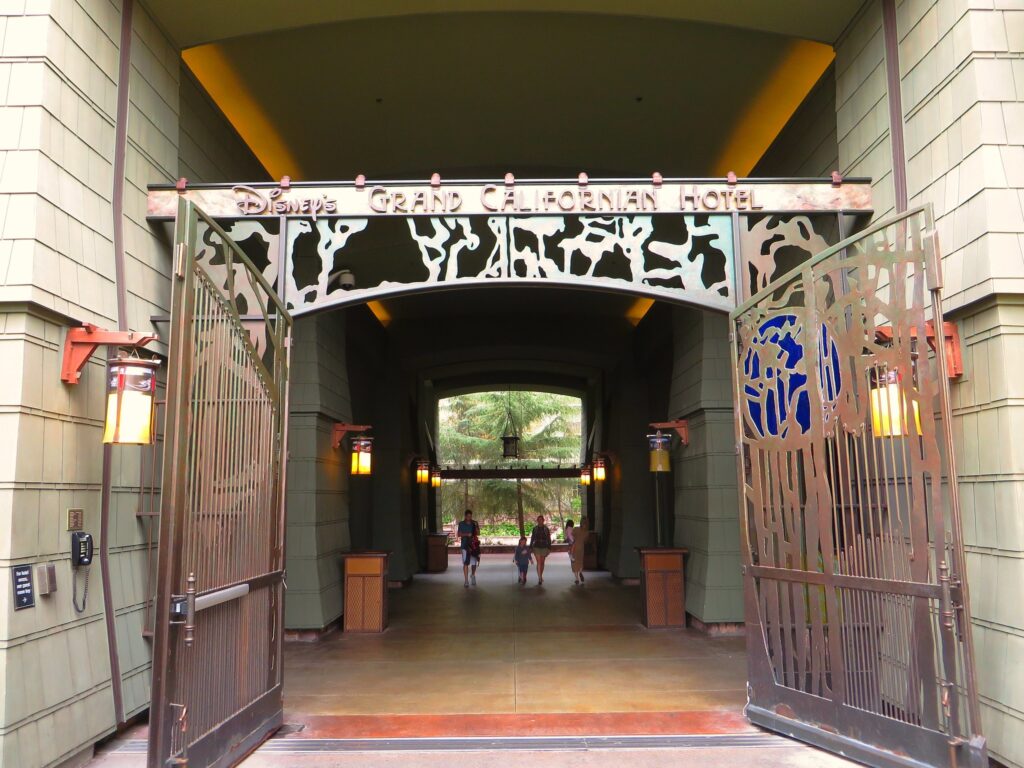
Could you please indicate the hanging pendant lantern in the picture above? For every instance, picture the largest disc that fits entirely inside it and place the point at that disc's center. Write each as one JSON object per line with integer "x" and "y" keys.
{"x": 661, "y": 458}
{"x": 435, "y": 478}
{"x": 131, "y": 401}
{"x": 362, "y": 455}
{"x": 422, "y": 472}
{"x": 510, "y": 440}
{"x": 599, "y": 470}
{"x": 585, "y": 476}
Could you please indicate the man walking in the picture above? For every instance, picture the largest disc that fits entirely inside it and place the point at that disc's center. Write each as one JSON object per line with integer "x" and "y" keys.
{"x": 469, "y": 534}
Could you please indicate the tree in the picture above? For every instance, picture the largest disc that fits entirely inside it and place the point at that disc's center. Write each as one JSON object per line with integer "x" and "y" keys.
{"x": 471, "y": 427}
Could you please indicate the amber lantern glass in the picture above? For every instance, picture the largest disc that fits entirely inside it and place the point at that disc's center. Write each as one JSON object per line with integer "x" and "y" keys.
{"x": 661, "y": 458}
{"x": 422, "y": 472}
{"x": 598, "y": 471}
{"x": 362, "y": 455}
{"x": 131, "y": 401}
{"x": 585, "y": 476}
{"x": 888, "y": 407}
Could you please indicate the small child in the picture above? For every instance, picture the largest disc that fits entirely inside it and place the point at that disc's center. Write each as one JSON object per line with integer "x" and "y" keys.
{"x": 570, "y": 535}
{"x": 522, "y": 558}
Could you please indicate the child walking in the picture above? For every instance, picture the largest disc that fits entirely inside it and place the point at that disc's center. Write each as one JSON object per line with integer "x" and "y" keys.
{"x": 522, "y": 558}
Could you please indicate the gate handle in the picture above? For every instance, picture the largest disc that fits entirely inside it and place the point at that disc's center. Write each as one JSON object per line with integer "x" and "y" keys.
{"x": 190, "y": 610}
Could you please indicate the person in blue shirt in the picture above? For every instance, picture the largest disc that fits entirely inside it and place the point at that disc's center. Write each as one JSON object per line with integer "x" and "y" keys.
{"x": 468, "y": 532}
{"x": 522, "y": 558}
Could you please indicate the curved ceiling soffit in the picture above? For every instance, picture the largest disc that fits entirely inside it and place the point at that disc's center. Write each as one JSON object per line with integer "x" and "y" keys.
{"x": 197, "y": 22}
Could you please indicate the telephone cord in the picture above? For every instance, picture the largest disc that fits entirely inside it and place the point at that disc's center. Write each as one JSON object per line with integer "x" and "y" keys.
{"x": 74, "y": 590}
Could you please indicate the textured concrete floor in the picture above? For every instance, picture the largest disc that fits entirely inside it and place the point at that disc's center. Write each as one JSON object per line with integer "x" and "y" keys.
{"x": 502, "y": 648}
{"x": 505, "y": 660}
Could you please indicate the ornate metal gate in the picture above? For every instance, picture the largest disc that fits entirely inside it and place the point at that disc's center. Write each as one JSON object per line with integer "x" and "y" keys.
{"x": 217, "y": 655}
{"x": 858, "y": 620}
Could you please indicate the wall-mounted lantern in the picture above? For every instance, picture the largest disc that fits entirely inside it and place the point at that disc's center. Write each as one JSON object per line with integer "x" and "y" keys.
{"x": 435, "y": 478}
{"x": 598, "y": 471}
{"x": 889, "y": 406}
{"x": 585, "y": 476}
{"x": 131, "y": 401}
{"x": 422, "y": 472}
{"x": 661, "y": 458}
{"x": 362, "y": 456}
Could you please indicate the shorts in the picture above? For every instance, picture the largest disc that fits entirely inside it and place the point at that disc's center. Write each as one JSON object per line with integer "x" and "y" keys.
{"x": 469, "y": 559}
{"x": 541, "y": 551}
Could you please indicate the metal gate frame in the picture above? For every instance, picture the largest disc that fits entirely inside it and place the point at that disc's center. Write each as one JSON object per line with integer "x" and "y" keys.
{"x": 857, "y": 610}
{"x": 217, "y": 677}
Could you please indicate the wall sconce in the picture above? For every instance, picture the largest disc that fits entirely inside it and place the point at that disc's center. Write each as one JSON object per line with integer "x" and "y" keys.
{"x": 131, "y": 401}
{"x": 888, "y": 406}
{"x": 950, "y": 339}
{"x": 362, "y": 455}
{"x": 661, "y": 459}
{"x": 598, "y": 471}
{"x": 422, "y": 472}
{"x": 435, "y": 478}
{"x": 585, "y": 476}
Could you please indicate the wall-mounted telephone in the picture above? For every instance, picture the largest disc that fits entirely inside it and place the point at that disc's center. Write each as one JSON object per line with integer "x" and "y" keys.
{"x": 81, "y": 557}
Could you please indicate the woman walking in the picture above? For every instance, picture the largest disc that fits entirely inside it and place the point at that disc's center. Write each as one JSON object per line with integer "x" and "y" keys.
{"x": 576, "y": 550}
{"x": 540, "y": 543}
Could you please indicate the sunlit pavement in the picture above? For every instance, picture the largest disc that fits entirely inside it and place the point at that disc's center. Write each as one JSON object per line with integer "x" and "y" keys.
{"x": 553, "y": 675}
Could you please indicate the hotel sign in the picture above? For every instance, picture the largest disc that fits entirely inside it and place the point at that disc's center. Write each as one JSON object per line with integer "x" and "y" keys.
{"x": 527, "y": 198}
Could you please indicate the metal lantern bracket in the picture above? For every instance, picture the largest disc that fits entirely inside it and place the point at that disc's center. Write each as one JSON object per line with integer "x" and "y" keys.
{"x": 341, "y": 429}
{"x": 82, "y": 341}
{"x": 680, "y": 426}
{"x": 950, "y": 337}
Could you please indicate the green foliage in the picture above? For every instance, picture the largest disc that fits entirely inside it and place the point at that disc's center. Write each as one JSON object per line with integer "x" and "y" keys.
{"x": 471, "y": 427}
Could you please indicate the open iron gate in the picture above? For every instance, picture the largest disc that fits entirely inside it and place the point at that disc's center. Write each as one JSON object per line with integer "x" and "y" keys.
{"x": 218, "y": 631}
{"x": 858, "y": 620}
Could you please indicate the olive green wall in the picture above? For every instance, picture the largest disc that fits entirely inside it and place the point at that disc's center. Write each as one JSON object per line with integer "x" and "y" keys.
{"x": 59, "y": 63}
{"x": 704, "y": 472}
{"x": 318, "y": 478}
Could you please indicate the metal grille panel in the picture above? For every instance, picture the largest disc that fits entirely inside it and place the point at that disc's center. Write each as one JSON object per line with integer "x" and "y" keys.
{"x": 856, "y": 603}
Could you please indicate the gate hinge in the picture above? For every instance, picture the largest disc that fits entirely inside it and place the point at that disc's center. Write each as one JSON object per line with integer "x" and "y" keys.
{"x": 179, "y": 609}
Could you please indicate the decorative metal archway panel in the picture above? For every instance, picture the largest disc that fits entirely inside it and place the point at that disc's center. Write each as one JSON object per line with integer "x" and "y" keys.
{"x": 703, "y": 243}
{"x": 858, "y": 620}
{"x": 217, "y": 677}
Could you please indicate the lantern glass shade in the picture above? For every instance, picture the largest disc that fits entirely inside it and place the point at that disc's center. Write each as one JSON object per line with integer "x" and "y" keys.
{"x": 435, "y": 478}
{"x": 585, "y": 476}
{"x": 888, "y": 408}
{"x": 661, "y": 458}
{"x": 131, "y": 402}
{"x": 422, "y": 472}
{"x": 510, "y": 447}
{"x": 598, "y": 471}
{"x": 362, "y": 455}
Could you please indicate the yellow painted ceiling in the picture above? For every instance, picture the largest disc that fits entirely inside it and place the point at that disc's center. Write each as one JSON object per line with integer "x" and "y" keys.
{"x": 478, "y": 94}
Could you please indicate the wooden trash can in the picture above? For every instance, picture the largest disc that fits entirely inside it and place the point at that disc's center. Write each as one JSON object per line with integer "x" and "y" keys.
{"x": 366, "y": 592}
{"x": 661, "y": 577}
{"x": 437, "y": 552}
{"x": 590, "y": 552}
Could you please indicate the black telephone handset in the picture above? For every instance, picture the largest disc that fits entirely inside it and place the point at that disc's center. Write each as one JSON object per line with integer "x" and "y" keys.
{"x": 81, "y": 549}
{"x": 81, "y": 557}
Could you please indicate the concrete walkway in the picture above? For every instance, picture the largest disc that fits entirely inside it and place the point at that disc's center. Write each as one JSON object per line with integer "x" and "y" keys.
{"x": 552, "y": 675}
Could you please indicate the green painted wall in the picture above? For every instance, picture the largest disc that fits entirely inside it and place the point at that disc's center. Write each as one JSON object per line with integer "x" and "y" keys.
{"x": 318, "y": 478}
{"x": 706, "y": 509}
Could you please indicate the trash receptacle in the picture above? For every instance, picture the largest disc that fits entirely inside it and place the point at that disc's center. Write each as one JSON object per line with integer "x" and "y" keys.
{"x": 437, "y": 552}
{"x": 661, "y": 577}
{"x": 366, "y": 592}
{"x": 590, "y": 551}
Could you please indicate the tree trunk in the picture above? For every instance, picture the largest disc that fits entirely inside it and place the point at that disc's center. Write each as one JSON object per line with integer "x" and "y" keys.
{"x": 519, "y": 506}
{"x": 465, "y": 505}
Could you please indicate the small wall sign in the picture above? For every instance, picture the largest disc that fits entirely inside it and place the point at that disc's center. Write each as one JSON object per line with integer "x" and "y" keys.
{"x": 24, "y": 595}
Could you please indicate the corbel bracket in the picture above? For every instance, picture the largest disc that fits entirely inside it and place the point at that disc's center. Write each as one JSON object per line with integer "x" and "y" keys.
{"x": 680, "y": 426}
{"x": 341, "y": 429}
{"x": 82, "y": 341}
{"x": 950, "y": 336}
